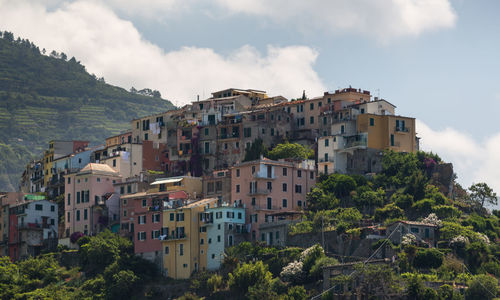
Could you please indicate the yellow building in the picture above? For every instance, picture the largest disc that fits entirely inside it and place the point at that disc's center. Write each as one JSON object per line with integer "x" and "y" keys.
{"x": 193, "y": 186}
{"x": 388, "y": 132}
{"x": 184, "y": 247}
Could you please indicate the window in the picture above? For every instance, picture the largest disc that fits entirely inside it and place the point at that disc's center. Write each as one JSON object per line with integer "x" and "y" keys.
{"x": 78, "y": 215}
{"x": 77, "y": 197}
{"x": 155, "y": 234}
{"x": 285, "y": 203}
{"x": 141, "y": 235}
{"x": 237, "y": 188}
{"x": 392, "y": 139}
{"x": 218, "y": 238}
{"x": 124, "y": 201}
{"x": 129, "y": 189}
{"x": 285, "y": 172}
{"x": 98, "y": 179}
{"x": 68, "y": 217}
{"x": 285, "y": 187}
{"x": 298, "y": 189}
{"x": 181, "y": 249}
{"x": 218, "y": 186}
{"x": 146, "y": 136}
{"x": 247, "y": 132}
{"x": 240, "y": 215}
{"x": 311, "y": 120}
{"x": 324, "y": 120}
{"x": 263, "y": 131}
{"x": 299, "y": 203}
{"x": 38, "y": 207}
{"x": 311, "y": 175}
{"x": 210, "y": 242}
{"x": 269, "y": 185}
{"x": 180, "y": 217}
{"x": 237, "y": 172}
{"x": 69, "y": 199}
{"x": 171, "y": 216}
{"x": 269, "y": 203}
{"x": 114, "y": 162}
{"x": 122, "y": 190}
{"x": 155, "y": 218}
{"x": 414, "y": 229}
{"x": 167, "y": 250}
{"x": 299, "y": 173}
{"x": 202, "y": 241}
{"x": 327, "y": 141}
{"x": 142, "y": 219}
{"x": 85, "y": 214}
{"x": 372, "y": 122}
{"x": 124, "y": 212}
{"x": 207, "y": 131}
{"x": 69, "y": 180}
{"x": 311, "y": 106}
{"x": 263, "y": 237}
{"x": 210, "y": 187}
{"x": 253, "y": 169}
{"x": 144, "y": 202}
{"x": 253, "y": 200}
{"x": 52, "y": 208}
{"x": 218, "y": 226}
{"x": 362, "y": 111}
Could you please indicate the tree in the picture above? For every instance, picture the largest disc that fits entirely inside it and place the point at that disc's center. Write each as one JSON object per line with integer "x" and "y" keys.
{"x": 339, "y": 185}
{"x": 290, "y": 150}
{"x": 482, "y": 287}
{"x": 317, "y": 200}
{"x": 390, "y": 211}
{"x": 481, "y": 194}
{"x": 428, "y": 258}
{"x": 255, "y": 150}
{"x": 247, "y": 275}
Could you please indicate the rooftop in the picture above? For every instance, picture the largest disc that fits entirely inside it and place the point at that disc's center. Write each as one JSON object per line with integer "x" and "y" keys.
{"x": 101, "y": 169}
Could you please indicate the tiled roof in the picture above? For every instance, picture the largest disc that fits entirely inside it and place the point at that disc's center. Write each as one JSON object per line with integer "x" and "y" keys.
{"x": 94, "y": 168}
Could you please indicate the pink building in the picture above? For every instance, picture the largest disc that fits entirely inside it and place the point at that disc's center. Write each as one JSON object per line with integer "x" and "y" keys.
{"x": 266, "y": 187}
{"x": 86, "y": 192}
{"x": 142, "y": 221}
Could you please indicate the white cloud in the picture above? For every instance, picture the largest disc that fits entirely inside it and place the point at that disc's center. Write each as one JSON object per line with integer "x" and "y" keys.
{"x": 473, "y": 161}
{"x": 112, "y": 47}
{"x": 382, "y": 19}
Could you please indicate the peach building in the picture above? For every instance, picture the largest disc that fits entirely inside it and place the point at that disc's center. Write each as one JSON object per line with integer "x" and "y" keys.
{"x": 85, "y": 198}
{"x": 266, "y": 187}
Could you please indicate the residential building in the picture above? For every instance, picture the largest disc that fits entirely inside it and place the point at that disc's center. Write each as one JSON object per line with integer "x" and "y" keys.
{"x": 183, "y": 240}
{"x": 218, "y": 185}
{"x": 275, "y": 226}
{"x": 265, "y": 186}
{"x": 224, "y": 225}
{"x": 193, "y": 186}
{"x": 32, "y": 226}
{"x": 56, "y": 150}
{"x": 424, "y": 232}
{"x": 86, "y": 193}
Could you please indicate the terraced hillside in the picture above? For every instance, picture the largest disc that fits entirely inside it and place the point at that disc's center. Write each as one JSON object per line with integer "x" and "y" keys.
{"x": 50, "y": 97}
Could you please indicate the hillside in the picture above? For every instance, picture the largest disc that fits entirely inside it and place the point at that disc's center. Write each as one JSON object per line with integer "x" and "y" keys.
{"x": 50, "y": 97}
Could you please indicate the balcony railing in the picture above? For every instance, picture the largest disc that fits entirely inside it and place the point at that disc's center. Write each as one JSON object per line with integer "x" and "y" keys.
{"x": 259, "y": 176}
{"x": 330, "y": 159}
{"x": 259, "y": 192}
{"x": 401, "y": 129}
{"x": 179, "y": 236}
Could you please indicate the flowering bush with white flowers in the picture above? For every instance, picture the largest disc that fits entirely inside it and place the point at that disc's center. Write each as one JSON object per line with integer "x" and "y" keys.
{"x": 433, "y": 219}
{"x": 292, "y": 271}
{"x": 309, "y": 250}
{"x": 459, "y": 241}
{"x": 483, "y": 238}
{"x": 409, "y": 239}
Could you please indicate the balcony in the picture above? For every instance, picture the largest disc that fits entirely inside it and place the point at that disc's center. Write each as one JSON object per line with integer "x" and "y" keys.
{"x": 401, "y": 129}
{"x": 265, "y": 207}
{"x": 180, "y": 236}
{"x": 259, "y": 192}
{"x": 322, "y": 160}
{"x": 259, "y": 176}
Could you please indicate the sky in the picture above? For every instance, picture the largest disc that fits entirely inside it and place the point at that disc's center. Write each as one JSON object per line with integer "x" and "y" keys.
{"x": 436, "y": 60}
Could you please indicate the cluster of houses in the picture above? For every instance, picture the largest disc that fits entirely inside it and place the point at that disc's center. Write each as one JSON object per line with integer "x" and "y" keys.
{"x": 177, "y": 185}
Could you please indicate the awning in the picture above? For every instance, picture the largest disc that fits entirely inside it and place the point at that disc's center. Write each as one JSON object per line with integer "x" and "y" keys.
{"x": 167, "y": 180}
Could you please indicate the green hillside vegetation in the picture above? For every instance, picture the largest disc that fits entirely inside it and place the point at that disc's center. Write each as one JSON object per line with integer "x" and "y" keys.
{"x": 467, "y": 251}
{"x": 51, "y": 97}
